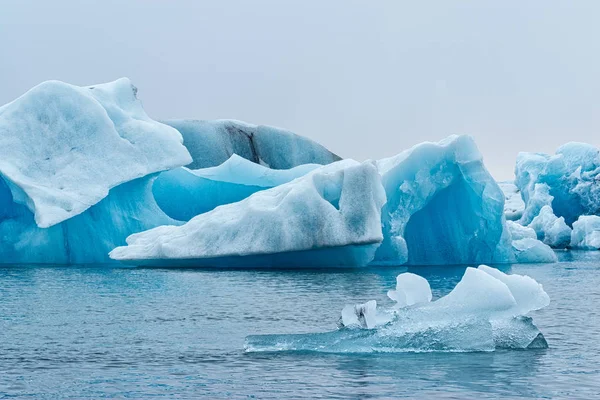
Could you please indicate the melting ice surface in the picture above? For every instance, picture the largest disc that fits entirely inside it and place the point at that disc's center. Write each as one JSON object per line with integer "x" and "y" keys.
{"x": 485, "y": 311}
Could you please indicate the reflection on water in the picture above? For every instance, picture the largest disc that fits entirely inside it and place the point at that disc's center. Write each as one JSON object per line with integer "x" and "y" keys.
{"x": 89, "y": 332}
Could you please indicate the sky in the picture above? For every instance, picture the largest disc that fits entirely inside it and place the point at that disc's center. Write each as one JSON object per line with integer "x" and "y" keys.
{"x": 367, "y": 79}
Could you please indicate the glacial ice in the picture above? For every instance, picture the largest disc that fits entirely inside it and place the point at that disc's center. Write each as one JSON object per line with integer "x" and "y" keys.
{"x": 513, "y": 203}
{"x": 528, "y": 250}
{"x": 76, "y": 170}
{"x": 443, "y": 207}
{"x": 329, "y": 217}
{"x": 212, "y": 142}
{"x": 570, "y": 178}
{"x": 586, "y": 233}
{"x": 551, "y": 229}
{"x": 410, "y": 289}
{"x": 63, "y": 147}
{"x": 183, "y": 193}
{"x": 518, "y": 231}
{"x": 485, "y": 311}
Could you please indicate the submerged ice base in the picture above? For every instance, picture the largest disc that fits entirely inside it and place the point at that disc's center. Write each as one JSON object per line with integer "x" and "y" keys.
{"x": 485, "y": 311}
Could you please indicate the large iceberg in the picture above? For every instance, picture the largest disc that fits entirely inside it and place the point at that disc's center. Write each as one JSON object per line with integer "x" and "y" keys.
{"x": 566, "y": 181}
{"x": 212, "y": 142}
{"x": 329, "y": 217}
{"x": 485, "y": 311}
{"x": 183, "y": 193}
{"x": 76, "y": 169}
{"x": 443, "y": 207}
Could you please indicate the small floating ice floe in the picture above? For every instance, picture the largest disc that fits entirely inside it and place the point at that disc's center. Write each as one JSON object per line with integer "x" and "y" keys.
{"x": 485, "y": 311}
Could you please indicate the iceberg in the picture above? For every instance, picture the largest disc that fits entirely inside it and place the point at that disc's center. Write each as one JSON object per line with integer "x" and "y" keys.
{"x": 565, "y": 181}
{"x": 183, "y": 193}
{"x": 586, "y": 233}
{"x": 76, "y": 170}
{"x": 485, "y": 311}
{"x": 513, "y": 203}
{"x": 443, "y": 207}
{"x": 329, "y": 217}
{"x": 212, "y": 142}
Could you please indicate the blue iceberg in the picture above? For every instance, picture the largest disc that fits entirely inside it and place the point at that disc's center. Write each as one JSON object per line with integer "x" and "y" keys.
{"x": 565, "y": 181}
{"x": 487, "y": 310}
{"x": 440, "y": 206}
{"x": 76, "y": 170}
{"x": 443, "y": 207}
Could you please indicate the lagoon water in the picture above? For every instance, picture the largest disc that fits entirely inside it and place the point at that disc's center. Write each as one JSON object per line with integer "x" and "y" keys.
{"x": 105, "y": 332}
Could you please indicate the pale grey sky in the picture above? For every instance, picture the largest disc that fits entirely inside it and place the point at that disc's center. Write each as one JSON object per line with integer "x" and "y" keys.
{"x": 365, "y": 78}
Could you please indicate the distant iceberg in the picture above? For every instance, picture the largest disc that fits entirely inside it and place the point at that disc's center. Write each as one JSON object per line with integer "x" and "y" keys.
{"x": 212, "y": 142}
{"x": 76, "y": 170}
{"x": 513, "y": 203}
{"x": 557, "y": 191}
{"x": 485, "y": 311}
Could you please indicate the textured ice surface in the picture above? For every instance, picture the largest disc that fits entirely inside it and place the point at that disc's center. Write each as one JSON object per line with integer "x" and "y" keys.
{"x": 329, "y": 217}
{"x": 63, "y": 147}
{"x": 571, "y": 177}
{"x": 183, "y": 193}
{"x": 410, "y": 289}
{"x": 513, "y": 203}
{"x": 213, "y": 142}
{"x": 76, "y": 171}
{"x": 586, "y": 233}
{"x": 518, "y": 231}
{"x": 485, "y": 311}
{"x": 85, "y": 238}
{"x": 529, "y": 250}
{"x": 443, "y": 207}
{"x": 551, "y": 229}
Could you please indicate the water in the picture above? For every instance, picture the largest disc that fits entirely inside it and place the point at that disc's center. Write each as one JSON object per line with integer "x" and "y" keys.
{"x": 88, "y": 332}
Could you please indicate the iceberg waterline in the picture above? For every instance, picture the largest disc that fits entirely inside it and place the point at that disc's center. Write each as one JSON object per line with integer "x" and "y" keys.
{"x": 251, "y": 195}
{"x": 485, "y": 311}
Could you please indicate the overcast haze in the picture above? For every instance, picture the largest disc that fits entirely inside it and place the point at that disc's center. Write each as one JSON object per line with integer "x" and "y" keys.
{"x": 365, "y": 78}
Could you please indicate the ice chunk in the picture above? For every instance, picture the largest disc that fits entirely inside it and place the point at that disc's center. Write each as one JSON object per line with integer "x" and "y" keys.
{"x": 360, "y": 315}
{"x": 213, "y": 142}
{"x": 538, "y": 199}
{"x": 410, "y": 289}
{"x": 63, "y": 147}
{"x": 182, "y": 193}
{"x": 518, "y": 231}
{"x": 586, "y": 233}
{"x": 484, "y": 312}
{"x": 443, "y": 207}
{"x": 513, "y": 203}
{"x": 329, "y": 217}
{"x": 550, "y": 229}
{"x": 529, "y": 250}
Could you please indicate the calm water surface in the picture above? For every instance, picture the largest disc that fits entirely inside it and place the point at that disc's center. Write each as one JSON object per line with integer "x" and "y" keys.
{"x": 89, "y": 332}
